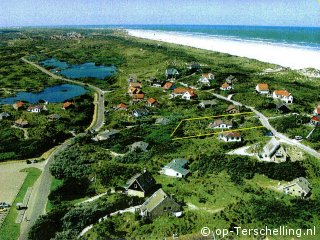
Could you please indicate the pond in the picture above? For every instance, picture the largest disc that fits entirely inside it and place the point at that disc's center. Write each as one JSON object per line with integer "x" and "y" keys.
{"x": 55, "y": 94}
{"x": 86, "y": 70}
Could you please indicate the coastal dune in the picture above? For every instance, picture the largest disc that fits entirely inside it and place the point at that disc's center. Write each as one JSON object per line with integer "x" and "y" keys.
{"x": 284, "y": 55}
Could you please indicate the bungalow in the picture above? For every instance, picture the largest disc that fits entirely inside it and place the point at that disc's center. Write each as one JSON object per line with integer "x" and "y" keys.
{"x": 262, "y": 88}
{"x": 219, "y": 124}
{"x": 140, "y": 185}
{"x": 283, "y": 95}
{"x": 273, "y": 152}
{"x": 232, "y": 109}
{"x": 139, "y": 145}
{"x": 315, "y": 120}
{"x": 299, "y": 187}
{"x": 317, "y": 110}
{"x": 4, "y": 115}
{"x": 205, "y": 79}
{"x": 122, "y": 106}
{"x": 171, "y": 73}
{"x": 21, "y": 123}
{"x": 159, "y": 204}
{"x": 18, "y": 105}
{"x": 137, "y": 97}
{"x": 225, "y": 87}
{"x": 106, "y": 135}
{"x": 207, "y": 104}
{"x": 168, "y": 86}
{"x": 189, "y": 94}
{"x": 53, "y": 117}
{"x": 140, "y": 112}
{"x": 230, "y": 137}
{"x": 67, "y": 105}
{"x": 176, "y": 168}
{"x": 151, "y": 102}
{"x": 156, "y": 83}
{"x": 36, "y": 109}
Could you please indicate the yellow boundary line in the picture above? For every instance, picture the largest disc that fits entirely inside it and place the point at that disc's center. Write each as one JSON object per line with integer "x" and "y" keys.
{"x": 210, "y": 134}
{"x": 199, "y": 118}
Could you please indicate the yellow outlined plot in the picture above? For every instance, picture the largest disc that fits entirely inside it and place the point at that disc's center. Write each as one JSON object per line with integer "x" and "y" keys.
{"x": 214, "y": 133}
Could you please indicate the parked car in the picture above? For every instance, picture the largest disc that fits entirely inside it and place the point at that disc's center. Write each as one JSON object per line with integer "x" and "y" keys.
{"x": 298, "y": 138}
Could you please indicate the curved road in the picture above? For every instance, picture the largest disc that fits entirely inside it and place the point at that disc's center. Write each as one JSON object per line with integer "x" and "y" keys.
{"x": 41, "y": 190}
{"x": 264, "y": 120}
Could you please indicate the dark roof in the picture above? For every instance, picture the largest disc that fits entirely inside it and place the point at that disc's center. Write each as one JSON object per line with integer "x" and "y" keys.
{"x": 145, "y": 180}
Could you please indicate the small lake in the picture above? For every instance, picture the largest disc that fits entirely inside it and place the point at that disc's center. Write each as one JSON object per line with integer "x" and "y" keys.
{"x": 55, "y": 94}
{"x": 86, "y": 70}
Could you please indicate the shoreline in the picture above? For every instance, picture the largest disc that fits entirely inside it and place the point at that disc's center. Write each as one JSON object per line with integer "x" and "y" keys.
{"x": 279, "y": 54}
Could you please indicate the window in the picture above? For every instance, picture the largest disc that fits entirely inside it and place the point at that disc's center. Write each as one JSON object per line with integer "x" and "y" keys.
{"x": 135, "y": 186}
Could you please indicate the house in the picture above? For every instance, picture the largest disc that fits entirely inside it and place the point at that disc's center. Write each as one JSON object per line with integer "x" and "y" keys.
{"x": 140, "y": 185}
{"x": 219, "y": 124}
{"x": 159, "y": 204}
{"x": 282, "y": 107}
{"x": 176, "y": 168}
{"x": 137, "y": 97}
{"x": 283, "y": 95}
{"x": 230, "y": 137}
{"x": 317, "y": 110}
{"x": 36, "y": 109}
{"x": 67, "y": 105}
{"x": 135, "y": 85}
{"x": 18, "y": 105}
{"x": 273, "y": 152}
{"x": 205, "y": 79}
{"x": 106, "y": 135}
{"x": 231, "y": 79}
{"x": 21, "y": 123}
{"x": 225, "y": 87}
{"x": 53, "y": 117}
{"x": 315, "y": 120}
{"x": 171, "y": 73}
{"x": 140, "y": 112}
{"x": 168, "y": 86}
{"x": 262, "y": 88}
{"x": 189, "y": 94}
{"x": 133, "y": 90}
{"x": 162, "y": 121}
{"x": 207, "y": 104}
{"x": 156, "y": 83}
{"x": 122, "y": 106}
{"x": 299, "y": 187}
{"x": 4, "y": 115}
{"x": 194, "y": 66}
{"x": 139, "y": 145}
{"x": 232, "y": 109}
{"x": 151, "y": 102}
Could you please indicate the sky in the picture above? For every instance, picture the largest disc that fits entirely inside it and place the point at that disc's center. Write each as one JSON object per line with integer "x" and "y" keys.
{"x": 124, "y": 12}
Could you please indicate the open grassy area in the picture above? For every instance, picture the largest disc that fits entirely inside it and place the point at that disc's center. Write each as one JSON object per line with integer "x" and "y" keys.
{"x": 10, "y": 230}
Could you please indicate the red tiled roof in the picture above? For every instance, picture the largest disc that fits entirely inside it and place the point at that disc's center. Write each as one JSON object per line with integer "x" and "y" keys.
{"x": 67, "y": 104}
{"x": 206, "y": 75}
{"x": 315, "y": 119}
{"x": 180, "y": 90}
{"x": 282, "y": 93}
{"x": 231, "y": 134}
{"x": 138, "y": 96}
{"x": 122, "y": 106}
{"x": 167, "y": 85}
{"x": 263, "y": 87}
{"x": 151, "y": 100}
{"x": 19, "y": 104}
{"x": 225, "y": 85}
{"x": 135, "y": 84}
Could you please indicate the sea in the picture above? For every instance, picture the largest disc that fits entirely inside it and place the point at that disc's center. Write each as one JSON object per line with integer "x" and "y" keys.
{"x": 305, "y": 37}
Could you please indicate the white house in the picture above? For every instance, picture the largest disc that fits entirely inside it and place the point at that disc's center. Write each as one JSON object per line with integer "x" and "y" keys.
{"x": 176, "y": 168}
{"x": 219, "y": 124}
{"x": 283, "y": 95}
{"x": 299, "y": 187}
{"x": 273, "y": 152}
{"x": 36, "y": 109}
{"x": 185, "y": 93}
{"x": 225, "y": 87}
{"x": 262, "y": 88}
{"x": 315, "y": 120}
{"x": 205, "y": 79}
{"x": 230, "y": 137}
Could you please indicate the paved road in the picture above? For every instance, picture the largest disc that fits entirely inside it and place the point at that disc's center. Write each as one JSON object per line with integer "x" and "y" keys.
{"x": 264, "y": 120}
{"x": 41, "y": 191}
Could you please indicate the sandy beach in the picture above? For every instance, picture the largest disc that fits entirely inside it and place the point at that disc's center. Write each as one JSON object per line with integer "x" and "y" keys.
{"x": 280, "y": 54}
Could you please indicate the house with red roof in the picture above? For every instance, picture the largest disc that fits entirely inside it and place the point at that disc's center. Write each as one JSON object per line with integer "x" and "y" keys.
{"x": 122, "y": 106}
{"x": 67, "y": 105}
{"x": 184, "y": 93}
{"x": 205, "y": 79}
{"x": 230, "y": 137}
{"x": 151, "y": 102}
{"x": 168, "y": 86}
{"x": 315, "y": 120}
{"x": 262, "y": 88}
{"x": 225, "y": 87}
{"x": 36, "y": 109}
{"x": 18, "y": 105}
{"x": 283, "y": 95}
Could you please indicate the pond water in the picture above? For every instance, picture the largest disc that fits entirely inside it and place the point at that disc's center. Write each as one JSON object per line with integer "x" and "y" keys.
{"x": 79, "y": 71}
{"x": 55, "y": 94}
